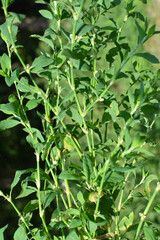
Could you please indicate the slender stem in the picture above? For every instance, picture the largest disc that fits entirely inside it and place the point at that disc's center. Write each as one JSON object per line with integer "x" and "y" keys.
{"x": 38, "y": 183}
{"x": 94, "y": 79}
{"x": 120, "y": 205}
{"x": 76, "y": 17}
{"x": 68, "y": 191}
{"x": 17, "y": 211}
{"x": 72, "y": 84}
{"x": 56, "y": 182}
{"x": 4, "y": 8}
{"x": 101, "y": 187}
{"x": 143, "y": 216}
{"x": 85, "y": 130}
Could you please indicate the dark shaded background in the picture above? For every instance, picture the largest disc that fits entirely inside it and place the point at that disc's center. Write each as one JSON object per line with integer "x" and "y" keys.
{"x": 15, "y": 153}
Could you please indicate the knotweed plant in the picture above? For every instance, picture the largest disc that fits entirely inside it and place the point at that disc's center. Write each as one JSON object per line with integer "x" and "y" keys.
{"x": 90, "y": 150}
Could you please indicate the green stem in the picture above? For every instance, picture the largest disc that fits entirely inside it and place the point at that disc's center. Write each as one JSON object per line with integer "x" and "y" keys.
{"x": 120, "y": 206}
{"x": 143, "y": 216}
{"x": 38, "y": 183}
{"x": 4, "y": 8}
{"x": 94, "y": 85}
{"x": 72, "y": 85}
{"x": 101, "y": 188}
{"x": 68, "y": 191}
{"x": 56, "y": 183}
{"x": 17, "y": 211}
{"x": 76, "y": 17}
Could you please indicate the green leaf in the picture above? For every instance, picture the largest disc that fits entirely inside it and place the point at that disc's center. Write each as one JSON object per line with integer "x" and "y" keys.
{"x": 113, "y": 177}
{"x": 80, "y": 64}
{"x": 141, "y": 32}
{"x": 72, "y": 211}
{"x": 24, "y": 86}
{"x": 68, "y": 175}
{"x": 92, "y": 227}
{"x": 49, "y": 197}
{"x": 48, "y": 41}
{"x": 31, "y": 206}
{"x": 126, "y": 222}
{"x": 131, "y": 99}
{"x": 2, "y": 73}
{"x": 5, "y": 64}
{"x": 74, "y": 114}
{"x": 72, "y": 236}
{"x": 17, "y": 17}
{"x": 68, "y": 143}
{"x": 87, "y": 166}
{"x": 75, "y": 223}
{"x": 46, "y": 14}
{"x": 10, "y": 79}
{"x": 148, "y": 233}
{"x": 138, "y": 141}
{"x": 31, "y": 104}
{"x": 18, "y": 174}
{"x": 10, "y": 108}
{"x": 145, "y": 151}
{"x": 147, "y": 182}
{"x": 83, "y": 28}
{"x": 113, "y": 110}
{"x": 68, "y": 97}
{"x": 80, "y": 198}
{"x": 2, "y": 231}
{"x": 40, "y": 235}
{"x": 26, "y": 190}
{"x": 68, "y": 53}
{"x": 157, "y": 208}
{"x": 107, "y": 3}
{"x": 36, "y": 133}
{"x": 124, "y": 169}
{"x": 151, "y": 31}
{"x": 40, "y": 62}
{"x": 148, "y": 56}
{"x": 5, "y": 34}
{"x": 128, "y": 139}
{"x": 8, "y": 123}
{"x": 20, "y": 234}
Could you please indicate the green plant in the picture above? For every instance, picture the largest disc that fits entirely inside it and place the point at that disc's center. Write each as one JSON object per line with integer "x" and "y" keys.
{"x": 90, "y": 145}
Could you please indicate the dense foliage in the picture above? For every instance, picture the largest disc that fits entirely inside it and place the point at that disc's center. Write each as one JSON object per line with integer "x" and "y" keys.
{"x": 90, "y": 150}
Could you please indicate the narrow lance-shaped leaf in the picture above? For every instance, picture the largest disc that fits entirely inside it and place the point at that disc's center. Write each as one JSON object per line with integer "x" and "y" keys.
{"x": 18, "y": 174}
{"x": 148, "y": 56}
{"x": 2, "y": 231}
{"x": 68, "y": 175}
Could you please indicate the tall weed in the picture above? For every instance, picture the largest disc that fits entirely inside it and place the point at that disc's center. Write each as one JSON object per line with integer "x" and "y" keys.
{"x": 90, "y": 151}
